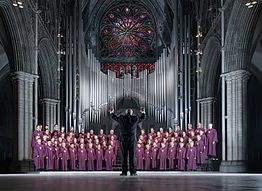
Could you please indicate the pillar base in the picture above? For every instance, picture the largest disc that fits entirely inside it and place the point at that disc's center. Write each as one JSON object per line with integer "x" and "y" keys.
{"x": 233, "y": 166}
{"x": 24, "y": 166}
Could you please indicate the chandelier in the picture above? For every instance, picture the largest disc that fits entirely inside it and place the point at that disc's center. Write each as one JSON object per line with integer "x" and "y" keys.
{"x": 251, "y": 3}
{"x": 18, "y": 3}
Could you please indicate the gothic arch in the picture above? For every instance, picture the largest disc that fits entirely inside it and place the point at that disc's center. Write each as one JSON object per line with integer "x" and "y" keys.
{"x": 210, "y": 66}
{"x": 21, "y": 40}
{"x": 239, "y": 36}
{"x": 47, "y": 69}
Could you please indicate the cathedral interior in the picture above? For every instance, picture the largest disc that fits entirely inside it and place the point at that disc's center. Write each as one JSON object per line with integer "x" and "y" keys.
{"x": 66, "y": 62}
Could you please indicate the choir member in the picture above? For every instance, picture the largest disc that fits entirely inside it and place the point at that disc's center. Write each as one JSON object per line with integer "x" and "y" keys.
{"x": 158, "y": 137}
{"x": 64, "y": 156}
{"x": 49, "y": 155}
{"x": 185, "y": 137}
{"x": 139, "y": 157}
{"x": 178, "y": 130}
{"x": 154, "y": 154}
{"x": 82, "y": 157}
{"x": 90, "y": 157}
{"x": 162, "y": 156}
{"x": 181, "y": 156}
{"x": 143, "y": 134}
{"x": 92, "y": 134}
{"x": 99, "y": 157}
{"x": 161, "y": 130}
{"x": 109, "y": 157}
{"x": 171, "y": 155}
{"x": 199, "y": 128}
{"x": 147, "y": 157}
{"x": 72, "y": 156}
{"x": 38, "y": 155}
{"x": 152, "y": 133}
{"x": 191, "y": 157}
{"x": 101, "y": 135}
{"x": 56, "y": 155}
{"x": 62, "y": 132}
{"x": 111, "y": 134}
{"x": 211, "y": 140}
{"x": 171, "y": 132}
{"x": 204, "y": 139}
{"x": 189, "y": 129}
{"x": 37, "y": 133}
{"x": 200, "y": 150}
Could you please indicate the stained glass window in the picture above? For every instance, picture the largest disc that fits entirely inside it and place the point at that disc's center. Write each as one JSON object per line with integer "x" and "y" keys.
{"x": 127, "y": 35}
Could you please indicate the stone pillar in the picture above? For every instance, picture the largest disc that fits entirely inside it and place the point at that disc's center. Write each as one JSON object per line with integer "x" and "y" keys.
{"x": 236, "y": 122}
{"x": 23, "y": 92}
{"x": 207, "y": 111}
{"x": 49, "y": 112}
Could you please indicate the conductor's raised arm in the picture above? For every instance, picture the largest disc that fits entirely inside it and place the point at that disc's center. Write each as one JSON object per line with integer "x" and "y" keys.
{"x": 113, "y": 115}
{"x": 143, "y": 114}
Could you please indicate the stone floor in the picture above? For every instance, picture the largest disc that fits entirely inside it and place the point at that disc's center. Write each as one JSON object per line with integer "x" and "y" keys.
{"x": 145, "y": 181}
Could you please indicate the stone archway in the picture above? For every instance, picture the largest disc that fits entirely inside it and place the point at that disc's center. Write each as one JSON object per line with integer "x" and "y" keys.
{"x": 238, "y": 42}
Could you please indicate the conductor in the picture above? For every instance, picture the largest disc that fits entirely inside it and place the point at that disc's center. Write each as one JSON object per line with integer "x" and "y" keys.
{"x": 128, "y": 133}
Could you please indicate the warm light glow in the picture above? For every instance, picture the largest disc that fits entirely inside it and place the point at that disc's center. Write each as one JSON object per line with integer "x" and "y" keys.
{"x": 14, "y": 3}
{"x": 250, "y": 3}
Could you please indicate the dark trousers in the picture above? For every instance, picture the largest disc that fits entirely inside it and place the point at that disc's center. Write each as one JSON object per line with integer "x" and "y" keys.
{"x": 128, "y": 147}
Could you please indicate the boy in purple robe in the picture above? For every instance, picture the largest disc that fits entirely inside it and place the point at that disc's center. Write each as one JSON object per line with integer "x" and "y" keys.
{"x": 72, "y": 156}
{"x": 147, "y": 157}
{"x": 200, "y": 150}
{"x": 204, "y": 139}
{"x": 109, "y": 157}
{"x": 99, "y": 157}
{"x": 171, "y": 155}
{"x": 64, "y": 156}
{"x": 162, "y": 156}
{"x": 82, "y": 157}
{"x": 139, "y": 157}
{"x": 49, "y": 155}
{"x": 38, "y": 155}
{"x": 154, "y": 154}
{"x": 191, "y": 157}
{"x": 111, "y": 134}
{"x": 56, "y": 155}
{"x": 38, "y": 133}
{"x": 211, "y": 141}
{"x": 181, "y": 156}
{"x": 90, "y": 157}
{"x": 152, "y": 133}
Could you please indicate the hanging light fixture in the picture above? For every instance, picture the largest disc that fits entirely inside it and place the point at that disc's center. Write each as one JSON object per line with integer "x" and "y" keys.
{"x": 18, "y": 3}
{"x": 251, "y": 3}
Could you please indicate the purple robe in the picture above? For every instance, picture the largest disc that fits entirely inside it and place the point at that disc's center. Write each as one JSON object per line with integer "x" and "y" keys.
{"x": 56, "y": 158}
{"x": 211, "y": 142}
{"x": 171, "y": 155}
{"x": 38, "y": 156}
{"x": 154, "y": 154}
{"x": 109, "y": 158}
{"x": 200, "y": 152}
{"x": 50, "y": 156}
{"x": 64, "y": 156}
{"x": 99, "y": 159}
{"x": 147, "y": 158}
{"x": 73, "y": 158}
{"x": 204, "y": 139}
{"x": 139, "y": 158}
{"x": 181, "y": 156}
{"x": 201, "y": 157}
{"x": 34, "y": 135}
{"x": 82, "y": 158}
{"x": 90, "y": 159}
{"x": 162, "y": 155}
{"x": 191, "y": 157}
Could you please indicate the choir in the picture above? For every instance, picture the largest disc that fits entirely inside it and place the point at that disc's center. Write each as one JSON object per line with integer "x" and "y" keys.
{"x": 171, "y": 150}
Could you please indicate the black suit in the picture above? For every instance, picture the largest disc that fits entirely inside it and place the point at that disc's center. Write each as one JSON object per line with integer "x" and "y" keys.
{"x": 128, "y": 134}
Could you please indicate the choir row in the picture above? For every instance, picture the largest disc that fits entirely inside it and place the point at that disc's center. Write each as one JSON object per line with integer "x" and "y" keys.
{"x": 162, "y": 150}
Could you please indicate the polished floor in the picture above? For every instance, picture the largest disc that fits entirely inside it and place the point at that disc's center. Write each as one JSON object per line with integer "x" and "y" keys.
{"x": 145, "y": 181}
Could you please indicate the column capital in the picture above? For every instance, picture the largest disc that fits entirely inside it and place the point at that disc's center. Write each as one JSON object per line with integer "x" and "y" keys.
{"x": 207, "y": 100}
{"x": 23, "y": 76}
{"x": 49, "y": 101}
{"x": 236, "y": 75}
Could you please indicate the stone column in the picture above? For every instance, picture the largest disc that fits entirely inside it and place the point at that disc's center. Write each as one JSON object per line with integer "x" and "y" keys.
{"x": 207, "y": 111}
{"x": 236, "y": 122}
{"x": 23, "y": 92}
{"x": 49, "y": 112}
